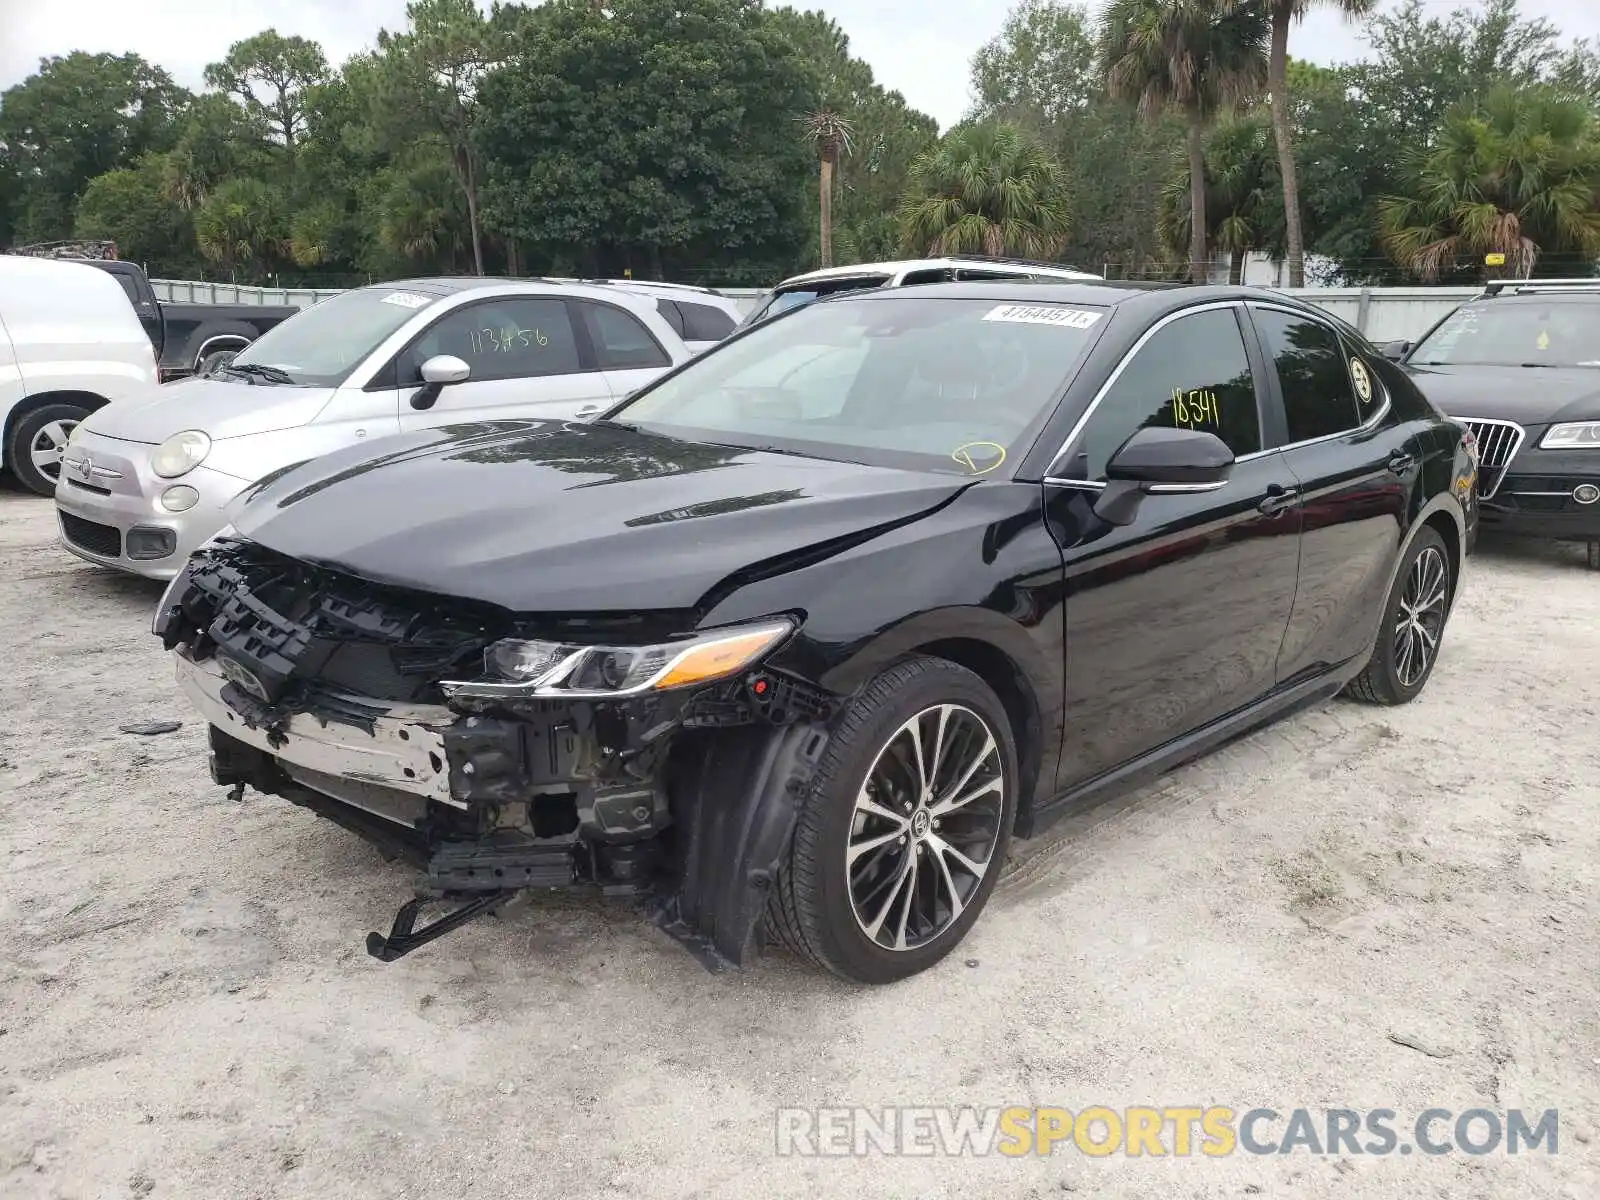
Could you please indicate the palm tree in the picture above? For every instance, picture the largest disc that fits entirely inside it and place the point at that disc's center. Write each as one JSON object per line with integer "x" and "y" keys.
{"x": 1198, "y": 57}
{"x": 1518, "y": 175}
{"x": 1283, "y": 13}
{"x": 240, "y": 226}
{"x": 1241, "y": 194}
{"x": 832, "y": 136}
{"x": 986, "y": 189}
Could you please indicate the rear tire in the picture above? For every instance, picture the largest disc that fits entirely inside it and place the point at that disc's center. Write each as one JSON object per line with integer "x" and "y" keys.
{"x": 1594, "y": 555}
{"x": 1414, "y": 617}
{"x": 37, "y": 440}
{"x": 879, "y": 881}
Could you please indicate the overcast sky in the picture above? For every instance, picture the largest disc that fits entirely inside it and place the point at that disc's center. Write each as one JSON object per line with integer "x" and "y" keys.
{"x": 921, "y": 47}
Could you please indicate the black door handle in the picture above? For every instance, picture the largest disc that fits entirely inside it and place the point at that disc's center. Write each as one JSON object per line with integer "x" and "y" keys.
{"x": 1277, "y": 499}
{"x": 1401, "y": 462}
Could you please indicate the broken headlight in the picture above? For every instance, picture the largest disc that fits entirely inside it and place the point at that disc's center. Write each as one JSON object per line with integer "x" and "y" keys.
{"x": 516, "y": 668}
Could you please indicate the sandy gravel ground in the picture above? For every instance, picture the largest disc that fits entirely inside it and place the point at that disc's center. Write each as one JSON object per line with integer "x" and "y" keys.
{"x": 186, "y": 1009}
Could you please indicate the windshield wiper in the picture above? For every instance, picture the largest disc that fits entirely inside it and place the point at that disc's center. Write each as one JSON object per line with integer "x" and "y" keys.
{"x": 255, "y": 371}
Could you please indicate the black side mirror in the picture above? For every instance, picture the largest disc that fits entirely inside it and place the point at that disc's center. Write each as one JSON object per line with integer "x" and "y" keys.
{"x": 1395, "y": 351}
{"x": 1162, "y": 461}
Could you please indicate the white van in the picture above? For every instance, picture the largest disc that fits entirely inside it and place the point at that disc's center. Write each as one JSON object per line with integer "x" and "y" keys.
{"x": 69, "y": 342}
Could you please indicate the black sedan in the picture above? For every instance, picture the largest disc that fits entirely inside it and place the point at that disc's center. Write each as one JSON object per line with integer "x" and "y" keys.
{"x": 796, "y": 639}
{"x": 1520, "y": 367}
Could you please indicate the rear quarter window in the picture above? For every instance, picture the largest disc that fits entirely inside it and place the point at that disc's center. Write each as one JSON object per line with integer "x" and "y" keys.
{"x": 703, "y": 323}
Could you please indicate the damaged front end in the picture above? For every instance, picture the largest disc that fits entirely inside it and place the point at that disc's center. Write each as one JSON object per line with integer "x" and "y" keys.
{"x": 496, "y": 752}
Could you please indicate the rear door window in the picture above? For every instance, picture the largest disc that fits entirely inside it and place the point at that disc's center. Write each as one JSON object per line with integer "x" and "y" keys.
{"x": 1319, "y": 399}
{"x": 621, "y": 342}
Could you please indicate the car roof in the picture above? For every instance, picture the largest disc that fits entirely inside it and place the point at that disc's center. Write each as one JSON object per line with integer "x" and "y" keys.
{"x": 451, "y": 285}
{"x": 1157, "y": 297}
{"x": 953, "y": 260}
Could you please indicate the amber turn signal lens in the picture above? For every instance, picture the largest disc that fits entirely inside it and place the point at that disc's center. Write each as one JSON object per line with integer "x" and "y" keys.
{"x": 712, "y": 660}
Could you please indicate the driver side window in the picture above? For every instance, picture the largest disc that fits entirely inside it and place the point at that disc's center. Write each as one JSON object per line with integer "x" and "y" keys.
{"x": 513, "y": 338}
{"x": 1193, "y": 373}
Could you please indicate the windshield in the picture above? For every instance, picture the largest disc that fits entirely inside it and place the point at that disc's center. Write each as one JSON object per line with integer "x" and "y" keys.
{"x": 798, "y": 297}
{"x": 1516, "y": 333}
{"x": 321, "y": 345}
{"x": 944, "y": 384}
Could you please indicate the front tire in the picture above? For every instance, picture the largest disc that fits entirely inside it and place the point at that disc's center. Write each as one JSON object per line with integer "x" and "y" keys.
{"x": 1414, "y": 618}
{"x": 904, "y": 828}
{"x": 37, "y": 441}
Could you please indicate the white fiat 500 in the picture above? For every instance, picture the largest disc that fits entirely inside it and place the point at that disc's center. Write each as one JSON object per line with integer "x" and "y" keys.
{"x": 145, "y": 481}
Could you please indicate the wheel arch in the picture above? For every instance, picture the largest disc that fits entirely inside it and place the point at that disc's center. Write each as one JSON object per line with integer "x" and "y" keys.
{"x": 219, "y": 342}
{"x": 1002, "y": 653}
{"x": 195, "y": 343}
{"x": 1443, "y": 515}
{"x": 36, "y": 400}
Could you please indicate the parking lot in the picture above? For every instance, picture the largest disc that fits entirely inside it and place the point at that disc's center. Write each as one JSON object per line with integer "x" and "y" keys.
{"x": 186, "y": 1008}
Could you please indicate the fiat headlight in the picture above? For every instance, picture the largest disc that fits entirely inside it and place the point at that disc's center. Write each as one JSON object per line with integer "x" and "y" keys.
{"x": 516, "y": 668}
{"x": 180, "y": 454}
{"x": 1574, "y": 435}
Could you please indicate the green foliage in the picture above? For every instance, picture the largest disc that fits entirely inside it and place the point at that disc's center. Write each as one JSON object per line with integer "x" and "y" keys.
{"x": 429, "y": 78}
{"x": 1516, "y": 174}
{"x": 1359, "y": 126}
{"x": 1042, "y": 72}
{"x": 987, "y": 188}
{"x": 1194, "y": 57}
{"x": 670, "y": 137}
{"x": 1244, "y": 200}
{"x": 130, "y": 206}
{"x": 886, "y": 136}
{"x": 77, "y": 117}
{"x": 273, "y": 77}
{"x": 1197, "y": 57}
{"x": 1043, "y": 67}
{"x": 651, "y": 134}
{"x": 242, "y": 226}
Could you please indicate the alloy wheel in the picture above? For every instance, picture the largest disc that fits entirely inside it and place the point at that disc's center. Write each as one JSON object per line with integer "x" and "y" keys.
{"x": 48, "y": 445}
{"x": 926, "y": 822}
{"x": 1421, "y": 618}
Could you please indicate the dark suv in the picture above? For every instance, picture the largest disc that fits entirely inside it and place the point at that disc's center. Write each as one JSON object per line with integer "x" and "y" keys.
{"x": 1520, "y": 366}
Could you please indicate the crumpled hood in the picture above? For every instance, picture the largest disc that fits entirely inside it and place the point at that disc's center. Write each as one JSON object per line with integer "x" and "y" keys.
{"x": 221, "y": 408}
{"x": 1526, "y": 395}
{"x": 547, "y": 516}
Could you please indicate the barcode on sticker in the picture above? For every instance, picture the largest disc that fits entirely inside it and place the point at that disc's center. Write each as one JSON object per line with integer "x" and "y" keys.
{"x": 1043, "y": 314}
{"x": 406, "y": 299}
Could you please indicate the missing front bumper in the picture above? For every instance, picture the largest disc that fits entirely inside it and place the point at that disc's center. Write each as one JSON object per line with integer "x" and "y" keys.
{"x": 688, "y": 797}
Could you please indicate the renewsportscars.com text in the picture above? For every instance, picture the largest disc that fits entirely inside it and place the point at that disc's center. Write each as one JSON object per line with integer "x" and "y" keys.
{"x": 1159, "y": 1132}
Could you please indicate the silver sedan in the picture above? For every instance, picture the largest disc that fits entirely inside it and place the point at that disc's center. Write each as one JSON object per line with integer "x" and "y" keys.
{"x": 146, "y": 480}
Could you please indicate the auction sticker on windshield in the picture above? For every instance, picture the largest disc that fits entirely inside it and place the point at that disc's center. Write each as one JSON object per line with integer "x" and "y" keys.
{"x": 1043, "y": 314}
{"x": 406, "y": 299}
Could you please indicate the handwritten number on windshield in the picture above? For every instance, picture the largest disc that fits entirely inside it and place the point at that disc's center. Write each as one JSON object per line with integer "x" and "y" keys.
{"x": 502, "y": 341}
